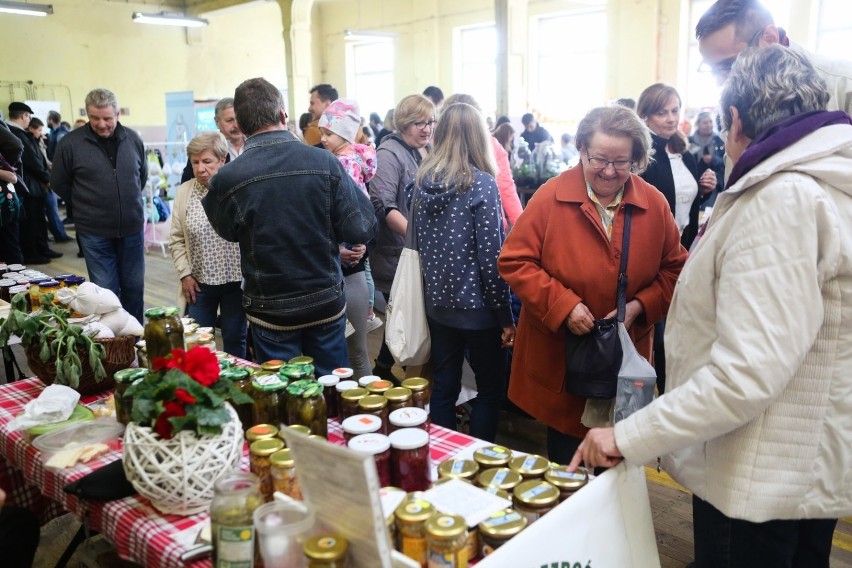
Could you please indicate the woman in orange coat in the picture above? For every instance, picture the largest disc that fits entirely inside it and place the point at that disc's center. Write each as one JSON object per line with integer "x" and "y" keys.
{"x": 562, "y": 260}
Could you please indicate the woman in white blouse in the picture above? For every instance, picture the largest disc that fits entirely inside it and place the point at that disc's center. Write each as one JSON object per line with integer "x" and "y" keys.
{"x": 208, "y": 266}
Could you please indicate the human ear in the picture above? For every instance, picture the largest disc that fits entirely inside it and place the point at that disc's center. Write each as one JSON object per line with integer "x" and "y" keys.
{"x": 769, "y": 36}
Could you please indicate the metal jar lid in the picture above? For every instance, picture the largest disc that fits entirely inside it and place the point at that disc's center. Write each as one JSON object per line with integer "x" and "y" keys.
{"x": 379, "y": 387}
{"x": 354, "y": 395}
{"x": 326, "y": 547}
{"x": 503, "y": 524}
{"x": 398, "y": 394}
{"x": 445, "y": 526}
{"x": 282, "y": 458}
{"x": 492, "y": 456}
{"x": 266, "y": 447}
{"x": 301, "y": 359}
{"x": 565, "y": 480}
{"x": 416, "y": 384}
{"x": 530, "y": 466}
{"x": 261, "y": 432}
{"x": 458, "y": 469}
{"x": 536, "y": 493}
{"x": 414, "y": 511}
{"x": 273, "y": 365}
{"x": 373, "y": 402}
{"x": 500, "y": 477}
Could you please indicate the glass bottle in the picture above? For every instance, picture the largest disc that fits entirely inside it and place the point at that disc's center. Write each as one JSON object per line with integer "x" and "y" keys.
{"x": 124, "y": 405}
{"x": 349, "y": 401}
{"x": 340, "y": 388}
{"x": 420, "y": 391}
{"x": 283, "y": 470}
{"x": 269, "y": 400}
{"x": 163, "y": 332}
{"x": 306, "y": 406}
{"x": 236, "y": 496}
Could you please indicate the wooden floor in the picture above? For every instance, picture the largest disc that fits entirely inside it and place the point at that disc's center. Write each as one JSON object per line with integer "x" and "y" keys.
{"x": 670, "y": 504}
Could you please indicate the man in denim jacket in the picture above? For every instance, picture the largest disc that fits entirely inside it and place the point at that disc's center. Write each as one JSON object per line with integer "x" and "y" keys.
{"x": 288, "y": 205}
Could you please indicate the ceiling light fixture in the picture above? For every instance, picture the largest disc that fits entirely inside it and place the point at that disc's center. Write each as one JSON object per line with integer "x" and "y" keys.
{"x": 24, "y": 9}
{"x": 368, "y": 35}
{"x": 169, "y": 19}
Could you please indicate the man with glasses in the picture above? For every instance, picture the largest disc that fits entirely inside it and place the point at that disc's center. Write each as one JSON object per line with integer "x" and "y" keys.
{"x": 730, "y": 26}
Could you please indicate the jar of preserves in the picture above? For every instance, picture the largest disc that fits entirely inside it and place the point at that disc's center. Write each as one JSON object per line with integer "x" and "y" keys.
{"x": 466, "y": 470}
{"x": 306, "y": 406}
{"x": 124, "y": 404}
{"x": 530, "y": 466}
{"x": 498, "y": 492}
{"x": 499, "y": 477}
{"x": 236, "y": 496}
{"x": 259, "y": 454}
{"x": 376, "y": 405}
{"x": 361, "y": 424}
{"x": 420, "y": 391}
{"x": 411, "y": 517}
{"x": 349, "y": 402}
{"x": 367, "y": 379}
{"x": 326, "y": 551}
{"x": 497, "y": 529}
{"x": 409, "y": 417}
{"x": 283, "y": 471}
{"x": 48, "y": 287}
{"x": 398, "y": 397}
{"x": 340, "y": 388}
{"x": 343, "y": 373}
{"x": 240, "y": 377}
{"x": 21, "y": 289}
{"x": 297, "y": 371}
{"x": 329, "y": 391}
{"x": 379, "y": 387}
{"x": 6, "y": 285}
{"x": 261, "y": 432}
{"x": 565, "y": 481}
{"x": 163, "y": 332}
{"x": 534, "y": 498}
{"x": 446, "y": 541}
{"x": 378, "y": 446}
{"x": 35, "y": 291}
{"x": 269, "y": 400}
{"x": 410, "y": 463}
{"x": 305, "y": 359}
{"x": 492, "y": 456}
{"x": 301, "y": 429}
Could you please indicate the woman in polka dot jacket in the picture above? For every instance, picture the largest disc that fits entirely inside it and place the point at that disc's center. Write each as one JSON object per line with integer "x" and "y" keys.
{"x": 458, "y": 222}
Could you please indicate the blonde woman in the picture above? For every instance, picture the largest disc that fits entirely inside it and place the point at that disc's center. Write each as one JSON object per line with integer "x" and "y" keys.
{"x": 208, "y": 266}
{"x": 458, "y": 221}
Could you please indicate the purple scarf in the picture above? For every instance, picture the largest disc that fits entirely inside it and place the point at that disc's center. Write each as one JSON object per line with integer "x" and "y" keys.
{"x": 781, "y": 135}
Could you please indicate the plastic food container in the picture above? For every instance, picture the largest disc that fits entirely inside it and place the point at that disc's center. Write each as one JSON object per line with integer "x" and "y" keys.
{"x": 77, "y": 435}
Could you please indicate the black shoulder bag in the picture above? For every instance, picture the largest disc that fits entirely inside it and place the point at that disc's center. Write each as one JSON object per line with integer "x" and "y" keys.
{"x": 593, "y": 360}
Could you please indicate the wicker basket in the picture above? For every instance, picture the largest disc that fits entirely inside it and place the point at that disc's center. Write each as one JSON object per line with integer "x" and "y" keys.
{"x": 120, "y": 353}
{"x": 177, "y": 475}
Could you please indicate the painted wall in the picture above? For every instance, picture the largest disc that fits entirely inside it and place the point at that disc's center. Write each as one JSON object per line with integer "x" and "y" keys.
{"x": 88, "y": 44}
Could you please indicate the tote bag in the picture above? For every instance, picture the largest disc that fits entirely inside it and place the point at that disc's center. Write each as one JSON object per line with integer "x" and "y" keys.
{"x": 406, "y": 329}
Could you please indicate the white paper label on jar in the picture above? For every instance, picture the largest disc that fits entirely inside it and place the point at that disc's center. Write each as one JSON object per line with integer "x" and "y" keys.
{"x": 234, "y": 546}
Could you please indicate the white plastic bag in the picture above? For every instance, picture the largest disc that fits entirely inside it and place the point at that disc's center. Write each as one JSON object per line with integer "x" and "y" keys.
{"x": 636, "y": 380}
{"x": 54, "y": 404}
{"x": 406, "y": 329}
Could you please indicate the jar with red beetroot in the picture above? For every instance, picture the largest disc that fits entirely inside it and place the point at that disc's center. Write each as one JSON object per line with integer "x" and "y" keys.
{"x": 378, "y": 446}
{"x": 361, "y": 424}
{"x": 409, "y": 417}
{"x": 410, "y": 464}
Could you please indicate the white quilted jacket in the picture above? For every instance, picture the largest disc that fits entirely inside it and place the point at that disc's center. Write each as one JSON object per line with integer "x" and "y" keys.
{"x": 758, "y": 418}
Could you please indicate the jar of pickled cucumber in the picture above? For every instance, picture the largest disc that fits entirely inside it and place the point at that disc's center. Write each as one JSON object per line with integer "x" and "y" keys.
{"x": 567, "y": 482}
{"x": 530, "y": 466}
{"x": 283, "y": 471}
{"x": 497, "y": 529}
{"x": 240, "y": 377}
{"x": 236, "y": 496}
{"x": 411, "y": 517}
{"x": 270, "y": 401}
{"x": 499, "y": 477}
{"x": 259, "y": 454}
{"x": 492, "y": 456}
{"x": 349, "y": 402}
{"x": 163, "y": 332}
{"x": 398, "y": 397}
{"x": 446, "y": 540}
{"x": 534, "y": 498}
{"x": 306, "y": 406}
{"x": 376, "y": 405}
{"x": 124, "y": 404}
{"x": 466, "y": 470}
{"x": 297, "y": 371}
{"x": 329, "y": 391}
{"x": 326, "y": 551}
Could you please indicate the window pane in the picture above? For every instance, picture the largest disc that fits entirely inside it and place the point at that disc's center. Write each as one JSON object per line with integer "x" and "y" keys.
{"x": 476, "y": 71}
{"x": 836, "y": 14}
{"x": 373, "y": 80}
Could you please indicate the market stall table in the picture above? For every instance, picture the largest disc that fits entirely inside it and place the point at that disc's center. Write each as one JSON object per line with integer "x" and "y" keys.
{"x": 139, "y": 532}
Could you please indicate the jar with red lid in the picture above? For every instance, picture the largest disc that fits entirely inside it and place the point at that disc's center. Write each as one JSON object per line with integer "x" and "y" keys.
{"x": 378, "y": 446}
{"x": 410, "y": 463}
{"x": 409, "y": 417}
{"x": 361, "y": 424}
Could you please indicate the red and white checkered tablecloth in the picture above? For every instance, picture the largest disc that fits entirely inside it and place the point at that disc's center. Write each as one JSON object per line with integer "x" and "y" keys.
{"x": 139, "y": 532}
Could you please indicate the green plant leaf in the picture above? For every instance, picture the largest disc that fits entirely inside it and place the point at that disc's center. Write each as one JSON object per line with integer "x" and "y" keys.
{"x": 44, "y": 353}
{"x": 60, "y": 372}
{"x": 212, "y": 416}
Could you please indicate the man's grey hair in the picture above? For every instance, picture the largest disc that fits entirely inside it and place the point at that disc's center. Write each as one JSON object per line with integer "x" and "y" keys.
{"x": 769, "y": 84}
{"x": 223, "y": 104}
{"x": 101, "y": 98}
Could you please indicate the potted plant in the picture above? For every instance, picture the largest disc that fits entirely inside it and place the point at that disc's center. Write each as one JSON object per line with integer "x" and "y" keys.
{"x": 183, "y": 433}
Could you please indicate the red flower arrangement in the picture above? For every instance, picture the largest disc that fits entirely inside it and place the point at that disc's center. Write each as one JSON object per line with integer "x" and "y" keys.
{"x": 183, "y": 392}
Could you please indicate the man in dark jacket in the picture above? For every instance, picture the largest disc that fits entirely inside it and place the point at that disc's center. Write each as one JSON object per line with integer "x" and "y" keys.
{"x": 102, "y": 167}
{"x": 288, "y": 205}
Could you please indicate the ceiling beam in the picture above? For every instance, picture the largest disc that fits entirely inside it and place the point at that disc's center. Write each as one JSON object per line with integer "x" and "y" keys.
{"x": 196, "y": 7}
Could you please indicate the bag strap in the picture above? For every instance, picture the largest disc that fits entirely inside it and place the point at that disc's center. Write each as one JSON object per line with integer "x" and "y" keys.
{"x": 411, "y": 232}
{"x": 621, "y": 295}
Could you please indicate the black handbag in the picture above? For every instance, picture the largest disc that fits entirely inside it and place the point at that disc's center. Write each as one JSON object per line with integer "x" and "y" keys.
{"x": 105, "y": 484}
{"x": 593, "y": 360}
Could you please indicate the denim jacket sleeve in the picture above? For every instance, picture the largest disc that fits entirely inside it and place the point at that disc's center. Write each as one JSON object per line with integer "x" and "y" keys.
{"x": 352, "y": 215}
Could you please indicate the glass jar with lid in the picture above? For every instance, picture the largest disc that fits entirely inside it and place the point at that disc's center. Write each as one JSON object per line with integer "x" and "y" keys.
{"x": 326, "y": 551}
{"x": 271, "y": 366}
{"x": 48, "y": 287}
{"x": 534, "y": 498}
{"x": 259, "y": 454}
{"x": 340, "y": 388}
{"x": 492, "y": 456}
{"x": 124, "y": 404}
{"x": 378, "y": 446}
{"x": 530, "y": 466}
{"x": 343, "y": 373}
{"x": 297, "y": 371}
{"x": 236, "y": 496}
{"x": 240, "y": 377}
{"x": 261, "y": 432}
{"x": 446, "y": 541}
{"x": 466, "y": 470}
{"x": 398, "y": 397}
{"x": 270, "y": 400}
{"x": 497, "y": 529}
{"x": 409, "y": 417}
{"x": 567, "y": 482}
{"x": 501, "y": 493}
{"x": 163, "y": 332}
{"x": 35, "y": 291}
{"x": 282, "y": 468}
{"x": 306, "y": 406}
{"x": 499, "y": 477}
{"x": 376, "y": 405}
{"x": 379, "y": 387}
{"x": 420, "y": 391}
{"x": 367, "y": 379}
{"x": 300, "y": 428}
{"x": 411, "y": 517}
{"x": 361, "y": 424}
{"x": 349, "y": 401}
{"x": 329, "y": 391}
{"x": 410, "y": 462}
{"x": 305, "y": 359}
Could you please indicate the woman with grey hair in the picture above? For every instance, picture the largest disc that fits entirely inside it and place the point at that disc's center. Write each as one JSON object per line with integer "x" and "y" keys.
{"x": 562, "y": 259}
{"x": 756, "y": 423}
{"x": 208, "y": 266}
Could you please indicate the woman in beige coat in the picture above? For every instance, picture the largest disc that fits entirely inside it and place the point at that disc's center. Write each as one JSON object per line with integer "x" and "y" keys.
{"x": 208, "y": 266}
{"x": 758, "y": 420}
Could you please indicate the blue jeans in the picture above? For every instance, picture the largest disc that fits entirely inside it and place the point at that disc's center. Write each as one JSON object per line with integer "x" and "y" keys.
{"x": 54, "y": 223}
{"x": 487, "y": 359}
{"x": 118, "y": 264}
{"x": 326, "y": 343}
{"x": 227, "y": 299}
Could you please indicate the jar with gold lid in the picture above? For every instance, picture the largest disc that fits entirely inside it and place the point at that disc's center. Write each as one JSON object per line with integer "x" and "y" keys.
{"x": 282, "y": 469}
{"x": 340, "y": 388}
{"x": 446, "y": 540}
{"x": 261, "y": 432}
{"x": 259, "y": 454}
{"x": 379, "y": 387}
{"x": 300, "y": 428}
{"x": 497, "y": 529}
{"x": 398, "y": 397}
{"x": 272, "y": 366}
{"x": 349, "y": 402}
{"x": 502, "y": 493}
{"x": 411, "y": 517}
{"x": 565, "y": 481}
{"x": 420, "y": 391}
{"x": 35, "y": 291}
{"x": 466, "y": 470}
{"x": 499, "y": 477}
{"x": 492, "y": 456}
{"x": 534, "y": 498}
{"x": 530, "y": 466}
{"x": 301, "y": 359}
{"x": 376, "y": 405}
{"x": 326, "y": 551}
{"x": 236, "y": 496}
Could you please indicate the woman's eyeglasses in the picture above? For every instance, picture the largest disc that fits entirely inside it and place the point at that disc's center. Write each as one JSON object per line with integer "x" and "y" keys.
{"x": 422, "y": 124}
{"x": 601, "y": 164}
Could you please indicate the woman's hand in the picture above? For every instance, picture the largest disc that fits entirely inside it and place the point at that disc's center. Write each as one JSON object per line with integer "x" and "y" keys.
{"x": 508, "y": 336}
{"x": 707, "y": 182}
{"x": 351, "y": 257}
{"x": 190, "y": 288}
{"x": 8, "y": 177}
{"x": 632, "y": 310}
{"x": 597, "y": 450}
{"x": 580, "y": 321}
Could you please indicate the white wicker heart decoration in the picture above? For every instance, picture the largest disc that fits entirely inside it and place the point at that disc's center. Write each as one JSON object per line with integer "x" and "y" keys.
{"x": 177, "y": 475}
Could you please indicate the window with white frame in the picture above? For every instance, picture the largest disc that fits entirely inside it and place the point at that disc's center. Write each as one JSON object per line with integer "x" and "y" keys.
{"x": 568, "y": 67}
{"x": 475, "y": 70}
{"x": 834, "y": 28}
{"x": 370, "y": 77}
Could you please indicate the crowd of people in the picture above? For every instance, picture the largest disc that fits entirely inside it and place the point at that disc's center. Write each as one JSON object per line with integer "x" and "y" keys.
{"x": 745, "y": 313}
